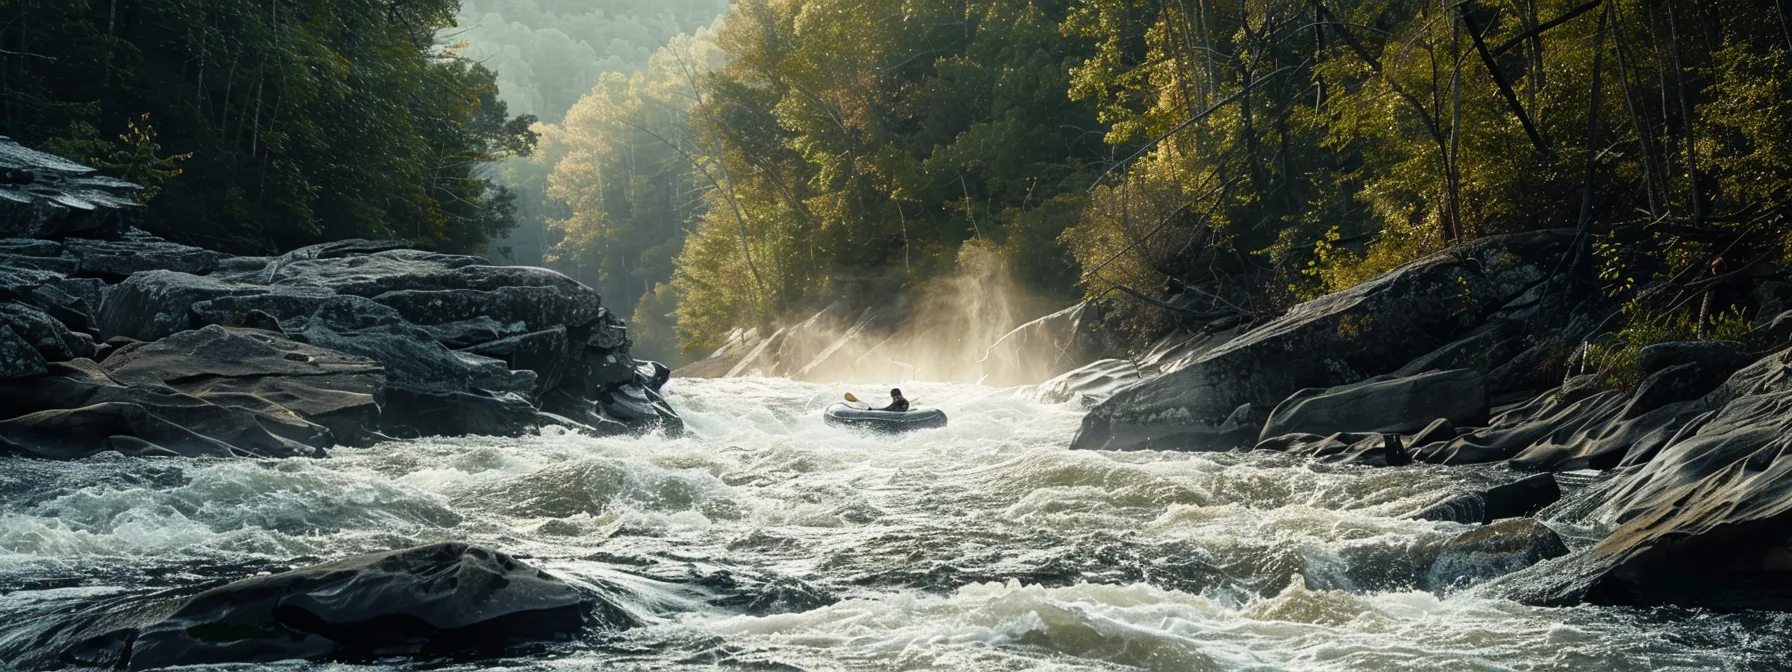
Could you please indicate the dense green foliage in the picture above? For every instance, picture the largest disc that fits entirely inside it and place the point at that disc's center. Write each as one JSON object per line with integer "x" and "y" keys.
{"x": 268, "y": 124}
{"x": 1251, "y": 153}
{"x": 629, "y": 171}
{"x": 859, "y": 145}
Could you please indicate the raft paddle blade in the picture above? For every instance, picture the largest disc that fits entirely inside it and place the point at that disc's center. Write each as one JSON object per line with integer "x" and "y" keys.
{"x": 851, "y": 398}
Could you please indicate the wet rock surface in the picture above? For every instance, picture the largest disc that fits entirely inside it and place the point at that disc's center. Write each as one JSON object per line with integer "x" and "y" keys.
{"x": 1369, "y": 330}
{"x": 114, "y": 340}
{"x": 434, "y": 600}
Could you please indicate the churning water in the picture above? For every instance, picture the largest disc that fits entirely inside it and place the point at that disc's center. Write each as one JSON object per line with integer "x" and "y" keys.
{"x": 764, "y": 539}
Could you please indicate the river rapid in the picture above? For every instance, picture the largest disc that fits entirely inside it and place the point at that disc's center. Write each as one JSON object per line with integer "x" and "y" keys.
{"x": 983, "y": 546}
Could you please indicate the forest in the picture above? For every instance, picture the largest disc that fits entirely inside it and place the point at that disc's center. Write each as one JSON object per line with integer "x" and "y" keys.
{"x": 1184, "y": 161}
{"x": 263, "y": 126}
{"x": 1177, "y": 160}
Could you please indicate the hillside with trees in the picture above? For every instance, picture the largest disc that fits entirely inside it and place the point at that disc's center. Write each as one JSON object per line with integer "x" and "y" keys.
{"x": 1202, "y": 159}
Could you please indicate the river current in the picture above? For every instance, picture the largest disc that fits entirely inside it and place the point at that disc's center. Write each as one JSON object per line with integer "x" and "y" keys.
{"x": 986, "y": 545}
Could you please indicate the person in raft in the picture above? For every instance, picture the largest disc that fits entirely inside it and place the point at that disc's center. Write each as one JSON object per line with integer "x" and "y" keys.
{"x": 897, "y": 402}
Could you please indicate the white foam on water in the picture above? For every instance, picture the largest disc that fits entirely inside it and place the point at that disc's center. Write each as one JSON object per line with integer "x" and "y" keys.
{"x": 985, "y": 545}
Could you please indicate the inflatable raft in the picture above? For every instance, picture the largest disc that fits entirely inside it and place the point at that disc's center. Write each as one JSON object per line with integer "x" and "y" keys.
{"x": 841, "y": 415}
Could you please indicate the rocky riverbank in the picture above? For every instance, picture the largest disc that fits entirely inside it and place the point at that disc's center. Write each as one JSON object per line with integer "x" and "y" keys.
{"x": 1475, "y": 356}
{"x": 113, "y": 340}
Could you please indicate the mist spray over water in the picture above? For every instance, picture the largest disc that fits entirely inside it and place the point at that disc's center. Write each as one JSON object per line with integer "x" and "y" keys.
{"x": 961, "y": 327}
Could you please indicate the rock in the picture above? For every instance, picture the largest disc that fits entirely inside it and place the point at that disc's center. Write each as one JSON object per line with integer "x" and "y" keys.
{"x": 1675, "y": 383}
{"x": 1388, "y": 405}
{"x": 1490, "y": 551}
{"x": 719, "y": 362}
{"x": 546, "y": 352}
{"x": 1776, "y": 331}
{"x": 654, "y": 373}
{"x": 136, "y": 252}
{"x": 47, "y": 196}
{"x": 434, "y": 600}
{"x": 1519, "y": 498}
{"x": 156, "y": 304}
{"x": 536, "y": 307}
{"x": 1482, "y": 349}
{"x": 1364, "y": 331}
{"x": 338, "y": 391}
{"x": 434, "y": 391}
{"x": 1046, "y": 347}
{"x": 1439, "y": 430}
{"x": 18, "y": 358}
{"x": 1727, "y": 356}
{"x": 77, "y": 409}
{"x": 1703, "y": 520}
{"x": 48, "y": 337}
{"x": 1090, "y": 384}
{"x": 471, "y": 332}
{"x": 1578, "y": 426}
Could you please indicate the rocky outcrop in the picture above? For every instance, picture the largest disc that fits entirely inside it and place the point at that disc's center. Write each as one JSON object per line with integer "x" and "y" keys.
{"x": 1368, "y": 330}
{"x": 434, "y": 600}
{"x": 1706, "y": 519}
{"x": 111, "y": 339}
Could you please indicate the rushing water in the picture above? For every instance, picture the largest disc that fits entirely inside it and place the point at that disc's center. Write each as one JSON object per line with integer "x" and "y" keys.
{"x": 983, "y": 546}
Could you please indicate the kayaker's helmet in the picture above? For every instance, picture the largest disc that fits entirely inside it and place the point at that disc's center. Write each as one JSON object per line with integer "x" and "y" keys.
{"x": 895, "y": 393}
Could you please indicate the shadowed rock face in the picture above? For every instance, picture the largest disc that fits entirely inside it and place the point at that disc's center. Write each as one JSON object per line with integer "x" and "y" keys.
{"x": 430, "y": 600}
{"x": 1368, "y": 330}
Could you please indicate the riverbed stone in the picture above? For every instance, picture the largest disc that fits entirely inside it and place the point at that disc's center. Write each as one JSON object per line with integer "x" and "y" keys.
{"x": 435, "y": 600}
{"x": 1522, "y": 497}
{"x": 1496, "y": 549}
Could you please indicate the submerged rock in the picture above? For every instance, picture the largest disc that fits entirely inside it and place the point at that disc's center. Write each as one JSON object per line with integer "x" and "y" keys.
{"x": 1522, "y": 497}
{"x": 1490, "y": 551}
{"x": 433, "y": 600}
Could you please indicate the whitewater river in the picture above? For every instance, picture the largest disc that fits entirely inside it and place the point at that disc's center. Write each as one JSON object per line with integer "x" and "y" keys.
{"x": 983, "y": 546}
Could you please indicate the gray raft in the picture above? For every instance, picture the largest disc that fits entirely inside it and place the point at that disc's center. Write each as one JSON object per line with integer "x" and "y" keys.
{"x": 841, "y": 415}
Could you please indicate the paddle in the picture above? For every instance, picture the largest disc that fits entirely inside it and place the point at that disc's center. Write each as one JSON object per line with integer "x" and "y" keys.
{"x": 855, "y": 400}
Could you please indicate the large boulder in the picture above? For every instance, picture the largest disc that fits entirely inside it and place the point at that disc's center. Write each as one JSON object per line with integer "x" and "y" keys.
{"x": 136, "y": 251}
{"x": 1365, "y": 331}
{"x": 1384, "y": 405}
{"x": 436, "y": 600}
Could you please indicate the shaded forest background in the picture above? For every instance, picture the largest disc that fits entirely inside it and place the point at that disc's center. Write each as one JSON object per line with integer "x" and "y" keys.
{"x": 1178, "y": 160}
